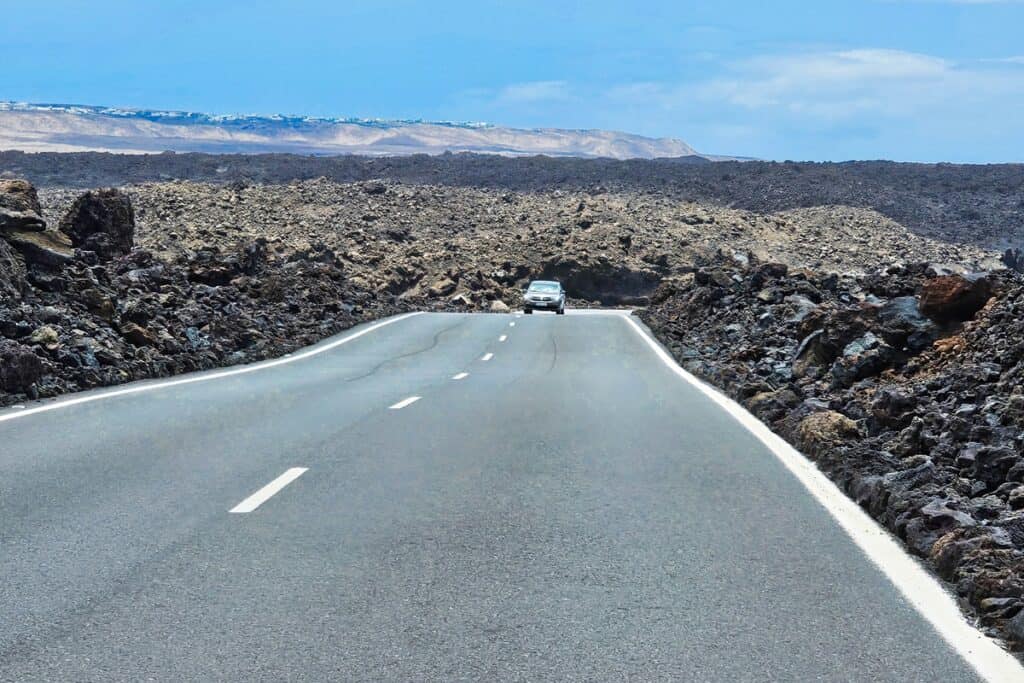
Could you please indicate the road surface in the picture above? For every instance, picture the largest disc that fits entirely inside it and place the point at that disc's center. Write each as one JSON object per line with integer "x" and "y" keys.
{"x": 449, "y": 497}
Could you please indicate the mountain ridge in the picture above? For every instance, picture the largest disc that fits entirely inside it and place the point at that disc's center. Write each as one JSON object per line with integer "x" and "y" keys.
{"x": 73, "y": 127}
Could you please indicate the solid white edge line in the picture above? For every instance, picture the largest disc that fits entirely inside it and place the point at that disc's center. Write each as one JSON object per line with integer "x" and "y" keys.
{"x": 461, "y": 375}
{"x": 925, "y": 594}
{"x": 65, "y": 403}
{"x": 487, "y": 356}
{"x": 265, "y": 493}
{"x": 503, "y": 337}
{"x": 404, "y": 402}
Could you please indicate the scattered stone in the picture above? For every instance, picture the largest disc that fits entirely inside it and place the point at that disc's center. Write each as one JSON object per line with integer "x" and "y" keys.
{"x": 826, "y": 429}
{"x": 45, "y": 336}
{"x": 442, "y": 287}
{"x": 138, "y": 335}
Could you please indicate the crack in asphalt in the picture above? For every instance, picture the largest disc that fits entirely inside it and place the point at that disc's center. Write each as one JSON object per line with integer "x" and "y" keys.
{"x": 433, "y": 344}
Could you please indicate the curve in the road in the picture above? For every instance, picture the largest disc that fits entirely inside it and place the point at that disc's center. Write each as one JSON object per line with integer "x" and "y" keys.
{"x": 920, "y": 590}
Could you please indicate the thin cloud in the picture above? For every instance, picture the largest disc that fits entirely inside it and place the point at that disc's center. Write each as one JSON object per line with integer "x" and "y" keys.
{"x": 851, "y": 83}
{"x": 868, "y": 97}
{"x": 856, "y": 80}
{"x": 532, "y": 92}
{"x": 855, "y": 103}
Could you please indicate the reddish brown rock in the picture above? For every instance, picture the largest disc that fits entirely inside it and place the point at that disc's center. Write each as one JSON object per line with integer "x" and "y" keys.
{"x": 954, "y": 298}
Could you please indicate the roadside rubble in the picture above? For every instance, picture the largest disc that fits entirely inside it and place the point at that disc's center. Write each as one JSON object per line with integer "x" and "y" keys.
{"x": 82, "y": 306}
{"x": 903, "y": 385}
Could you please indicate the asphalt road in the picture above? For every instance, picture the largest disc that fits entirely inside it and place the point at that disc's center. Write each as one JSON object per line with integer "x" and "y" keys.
{"x": 569, "y": 510}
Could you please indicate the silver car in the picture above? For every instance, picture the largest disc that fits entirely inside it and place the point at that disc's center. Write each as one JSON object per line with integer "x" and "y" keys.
{"x": 544, "y": 295}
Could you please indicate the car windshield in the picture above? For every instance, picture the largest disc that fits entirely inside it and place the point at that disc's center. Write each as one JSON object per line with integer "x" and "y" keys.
{"x": 544, "y": 287}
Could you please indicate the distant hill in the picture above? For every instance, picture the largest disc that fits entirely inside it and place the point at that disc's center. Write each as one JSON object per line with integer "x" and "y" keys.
{"x": 76, "y": 128}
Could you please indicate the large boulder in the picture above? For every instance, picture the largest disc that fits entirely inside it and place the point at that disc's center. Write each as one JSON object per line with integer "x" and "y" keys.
{"x": 23, "y": 228}
{"x": 19, "y": 206}
{"x": 954, "y": 298}
{"x": 19, "y": 195}
{"x": 102, "y": 221}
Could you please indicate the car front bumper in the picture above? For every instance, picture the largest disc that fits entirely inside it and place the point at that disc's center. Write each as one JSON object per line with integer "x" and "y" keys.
{"x": 552, "y": 305}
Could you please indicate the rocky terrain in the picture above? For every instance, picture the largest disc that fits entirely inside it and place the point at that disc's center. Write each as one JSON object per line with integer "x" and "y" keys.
{"x": 157, "y": 279}
{"x": 971, "y": 204}
{"x": 903, "y": 384}
{"x": 82, "y": 305}
{"x": 609, "y": 247}
{"x": 892, "y": 359}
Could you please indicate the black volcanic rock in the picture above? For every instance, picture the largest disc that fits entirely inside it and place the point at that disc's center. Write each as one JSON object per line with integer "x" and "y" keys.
{"x": 12, "y": 273}
{"x": 101, "y": 221}
{"x": 20, "y": 368}
{"x": 1014, "y": 260}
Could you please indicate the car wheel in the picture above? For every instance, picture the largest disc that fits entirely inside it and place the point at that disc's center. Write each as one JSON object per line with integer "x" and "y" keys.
{"x": 561, "y": 311}
{"x": 528, "y": 311}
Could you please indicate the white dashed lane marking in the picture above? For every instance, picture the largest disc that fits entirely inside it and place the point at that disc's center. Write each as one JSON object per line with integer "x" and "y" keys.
{"x": 503, "y": 337}
{"x": 405, "y": 402}
{"x": 265, "y": 493}
{"x": 487, "y": 356}
{"x": 461, "y": 375}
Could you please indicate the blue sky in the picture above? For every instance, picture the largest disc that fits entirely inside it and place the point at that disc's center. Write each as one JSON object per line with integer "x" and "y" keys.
{"x": 925, "y": 80}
